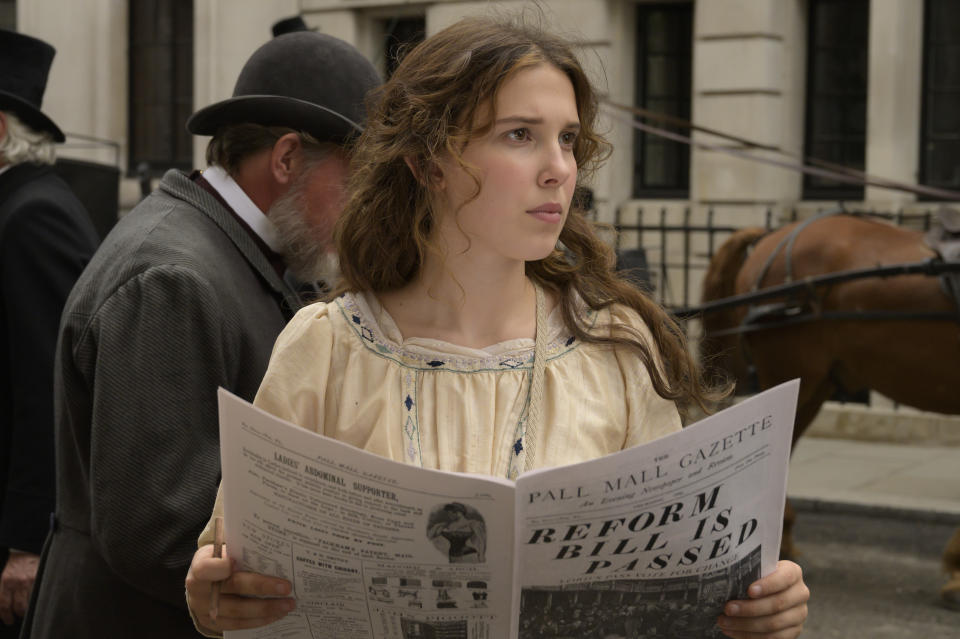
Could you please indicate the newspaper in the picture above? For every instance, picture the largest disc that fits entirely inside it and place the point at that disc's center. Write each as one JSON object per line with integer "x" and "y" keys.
{"x": 653, "y": 539}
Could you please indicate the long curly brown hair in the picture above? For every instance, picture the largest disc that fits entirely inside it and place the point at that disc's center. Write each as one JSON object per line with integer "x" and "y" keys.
{"x": 434, "y": 103}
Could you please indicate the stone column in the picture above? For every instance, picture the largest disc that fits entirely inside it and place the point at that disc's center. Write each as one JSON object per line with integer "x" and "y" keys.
{"x": 749, "y": 60}
{"x": 893, "y": 100}
{"x": 87, "y": 86}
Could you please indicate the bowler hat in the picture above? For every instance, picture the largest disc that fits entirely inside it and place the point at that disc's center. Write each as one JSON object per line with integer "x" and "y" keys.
{"x": 304, "y": 80}
{"x": 24, "y": 65}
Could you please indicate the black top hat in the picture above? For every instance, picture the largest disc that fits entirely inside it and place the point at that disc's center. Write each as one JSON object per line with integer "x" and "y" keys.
{"x": 24, "y": 65}
{"x": 305, "y": 80}
{"x": 289, "y": 25}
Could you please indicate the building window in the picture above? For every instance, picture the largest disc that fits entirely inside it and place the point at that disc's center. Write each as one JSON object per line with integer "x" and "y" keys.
{"x": 8, "y": 15}
{"x": 661, "y": 167}
{"x": 400, "y": 35}
{"x": 161, "y": 85}
{"x": 940, "y": 129}
{"x": 836, "y": 126}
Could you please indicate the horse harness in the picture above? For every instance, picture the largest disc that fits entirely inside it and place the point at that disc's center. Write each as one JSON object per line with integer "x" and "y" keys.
{"x": 943, "y": 239}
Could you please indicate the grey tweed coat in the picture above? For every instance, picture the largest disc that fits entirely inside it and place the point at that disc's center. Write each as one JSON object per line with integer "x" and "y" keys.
{"x": 177, "y": 301}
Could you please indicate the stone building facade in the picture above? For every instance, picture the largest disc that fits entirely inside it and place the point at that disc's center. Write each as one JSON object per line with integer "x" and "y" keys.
{"x": 744, "y": 63}
{"x": 872, "y": 84}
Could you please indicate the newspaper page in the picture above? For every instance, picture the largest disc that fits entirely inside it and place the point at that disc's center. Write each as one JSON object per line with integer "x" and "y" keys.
{"x": 375, "y": 549}
{"x": 652, "y": 541}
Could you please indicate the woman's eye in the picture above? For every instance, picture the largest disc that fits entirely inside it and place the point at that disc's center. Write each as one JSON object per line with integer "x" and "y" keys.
{"x": 519, "y": 135}
{"x": 568, "y": 138}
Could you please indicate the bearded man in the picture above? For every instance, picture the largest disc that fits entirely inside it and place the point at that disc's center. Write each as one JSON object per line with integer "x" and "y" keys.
{"x": 187, "y": 293}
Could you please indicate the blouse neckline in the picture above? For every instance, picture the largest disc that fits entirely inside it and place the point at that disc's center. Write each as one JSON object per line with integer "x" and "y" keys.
{"x": 379, "y": 333}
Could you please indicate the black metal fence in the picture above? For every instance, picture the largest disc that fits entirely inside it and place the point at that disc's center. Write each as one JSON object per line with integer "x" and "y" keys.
{"x": 668, "y": 249}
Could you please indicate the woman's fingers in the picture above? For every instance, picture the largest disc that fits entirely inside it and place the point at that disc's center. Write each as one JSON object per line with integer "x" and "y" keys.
{"x": 246, "y": 599}
{"x": 243, "y": 624}
{"x": 252, "y": 584}
{"x": 205, "y": 568}
{"x": 237, "y": 608}
{"x": 785, "y": 575}
{"x": 780, "y": 590}
{"x": 777, "y": 607}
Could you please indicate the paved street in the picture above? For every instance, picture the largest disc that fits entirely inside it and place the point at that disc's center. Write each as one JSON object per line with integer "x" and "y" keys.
{"x": 875, "y": 577}
{"x": 872, "y": 522}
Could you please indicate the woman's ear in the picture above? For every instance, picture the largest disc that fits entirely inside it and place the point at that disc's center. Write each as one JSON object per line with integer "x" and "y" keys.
{"x": 413, "y": 168}
{"x": 430, "y": 175}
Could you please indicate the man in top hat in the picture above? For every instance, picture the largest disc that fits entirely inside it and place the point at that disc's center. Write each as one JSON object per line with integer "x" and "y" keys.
{"x": 289, "y": 25}
{"x": 187, "y": 293}
{"x": 46, "y": 238}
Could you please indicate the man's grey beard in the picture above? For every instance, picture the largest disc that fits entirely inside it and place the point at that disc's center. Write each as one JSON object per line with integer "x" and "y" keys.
{"x": 305, "y": 248}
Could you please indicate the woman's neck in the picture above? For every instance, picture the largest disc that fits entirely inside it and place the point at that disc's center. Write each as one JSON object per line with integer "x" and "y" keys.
{"x": 465, "y": 301}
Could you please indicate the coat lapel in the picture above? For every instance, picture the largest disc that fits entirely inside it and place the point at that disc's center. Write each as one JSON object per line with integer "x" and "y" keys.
{"x": 180, "y": 186}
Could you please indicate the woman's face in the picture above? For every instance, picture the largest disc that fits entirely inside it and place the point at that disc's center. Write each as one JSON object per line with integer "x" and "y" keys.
{"x": 526, "y": 169}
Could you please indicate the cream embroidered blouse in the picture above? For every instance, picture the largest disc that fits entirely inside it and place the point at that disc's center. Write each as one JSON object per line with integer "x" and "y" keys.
{"x": 343, "y": 369}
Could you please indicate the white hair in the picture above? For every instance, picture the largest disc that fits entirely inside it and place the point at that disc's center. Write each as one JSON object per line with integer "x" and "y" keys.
{"x": 23, "y": 144}
{"x": 306, "y": 246}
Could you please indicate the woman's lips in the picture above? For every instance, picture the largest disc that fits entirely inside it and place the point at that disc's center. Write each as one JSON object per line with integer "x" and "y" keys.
{"x": 550, "y": 212}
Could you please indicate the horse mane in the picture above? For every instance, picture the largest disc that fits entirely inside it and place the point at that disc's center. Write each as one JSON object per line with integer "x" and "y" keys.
{"x": 720, "y": 282}
{"x": 721, "y": 278}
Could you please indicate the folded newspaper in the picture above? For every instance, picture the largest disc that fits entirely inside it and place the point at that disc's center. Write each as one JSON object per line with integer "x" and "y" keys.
{"x": 650, "y": 541}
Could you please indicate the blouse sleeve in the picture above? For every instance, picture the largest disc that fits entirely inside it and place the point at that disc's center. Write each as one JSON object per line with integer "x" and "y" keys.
{"x": 649, "y": 416}
{"x": 293, "y": 388}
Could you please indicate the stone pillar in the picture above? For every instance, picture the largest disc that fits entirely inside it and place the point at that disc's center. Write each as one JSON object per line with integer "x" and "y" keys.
{"x": 748, "y": 82}
{"x": 893, "y": 100}
{"x": 87, "y": 86}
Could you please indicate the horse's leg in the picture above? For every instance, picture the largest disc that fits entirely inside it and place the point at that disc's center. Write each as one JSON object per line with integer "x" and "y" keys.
{"x": 787, "y": 549}
{"x": 950, "y": 593}
{"x": 814, "y": 391}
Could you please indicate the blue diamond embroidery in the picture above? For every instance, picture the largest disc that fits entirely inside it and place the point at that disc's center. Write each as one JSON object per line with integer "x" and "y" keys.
{"x": 366, "y": 333}
{"x": 408, "y": 402}
{"x": 356, "y": 319}
{"x": 518, "y": 446}
{"x": 571, "y": 340}
{"x": 511, "y": 363}
{"x": 435, "y": 363}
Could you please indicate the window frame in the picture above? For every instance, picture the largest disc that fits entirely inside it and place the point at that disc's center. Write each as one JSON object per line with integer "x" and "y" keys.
{"x": 173, "y": 92}
{"x": 8, "y": 8}
{"x": 392, "y": 44}
{"x": 680, "y": 187}
{"x": 837, "y": 191}
{"x": 927, "y": 105}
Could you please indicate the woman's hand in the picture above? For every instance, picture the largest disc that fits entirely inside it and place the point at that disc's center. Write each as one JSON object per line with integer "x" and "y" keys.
{"x": 247, "y": 599}
{"x": 776, "y": 609}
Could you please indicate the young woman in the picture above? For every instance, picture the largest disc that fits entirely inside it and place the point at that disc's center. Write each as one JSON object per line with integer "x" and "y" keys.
{"x": 480, "y": 326}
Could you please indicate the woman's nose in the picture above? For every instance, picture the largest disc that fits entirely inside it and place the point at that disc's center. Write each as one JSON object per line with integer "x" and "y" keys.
{"x": 558, "y": 165}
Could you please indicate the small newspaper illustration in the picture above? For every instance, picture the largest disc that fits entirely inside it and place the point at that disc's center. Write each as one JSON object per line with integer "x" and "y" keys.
{"x": 650, "y": 541}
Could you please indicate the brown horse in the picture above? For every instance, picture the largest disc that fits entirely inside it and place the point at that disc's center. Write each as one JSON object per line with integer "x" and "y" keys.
{"x": 912, "y": 361}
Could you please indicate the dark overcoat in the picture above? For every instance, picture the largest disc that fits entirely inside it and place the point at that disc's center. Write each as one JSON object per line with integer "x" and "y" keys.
{"x": 178, "y": 301}
{"x": 46, "y": 238}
